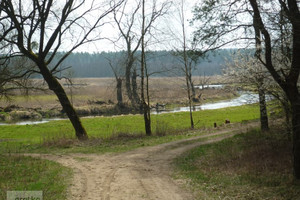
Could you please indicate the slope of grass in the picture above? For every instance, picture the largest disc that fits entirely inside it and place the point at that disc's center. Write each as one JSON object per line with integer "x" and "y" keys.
{"x": 248, "y": 166}
{"x": 19, "y": 173}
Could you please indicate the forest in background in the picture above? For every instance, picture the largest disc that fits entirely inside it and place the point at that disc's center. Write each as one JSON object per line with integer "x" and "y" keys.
{"x": 159, "y": 63}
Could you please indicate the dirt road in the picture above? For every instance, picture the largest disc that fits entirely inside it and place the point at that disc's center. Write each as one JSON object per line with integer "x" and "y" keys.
{"x": 144, "y": 173}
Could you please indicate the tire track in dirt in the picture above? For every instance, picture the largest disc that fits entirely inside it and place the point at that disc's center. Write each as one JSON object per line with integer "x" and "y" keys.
{"x": 143, "y": 173}
{"x": 105, "y": 195}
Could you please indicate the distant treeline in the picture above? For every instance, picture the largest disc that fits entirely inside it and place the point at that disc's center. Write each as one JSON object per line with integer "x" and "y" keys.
{"x": 159, "y": 63}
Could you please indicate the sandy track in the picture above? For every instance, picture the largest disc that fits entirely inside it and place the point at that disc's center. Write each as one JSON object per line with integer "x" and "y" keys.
{"x": 144, "y": 173}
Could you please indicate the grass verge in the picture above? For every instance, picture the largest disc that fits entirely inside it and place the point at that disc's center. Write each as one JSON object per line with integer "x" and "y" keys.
{"x": 23, "y": 173}
{"x": 247, "y": 166}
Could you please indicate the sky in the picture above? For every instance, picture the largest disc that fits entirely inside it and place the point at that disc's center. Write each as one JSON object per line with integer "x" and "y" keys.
{"x": 165, "y": 34}
{"x": 168, "y": 25}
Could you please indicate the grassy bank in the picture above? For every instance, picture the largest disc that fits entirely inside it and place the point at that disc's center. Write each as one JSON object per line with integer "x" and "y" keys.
{"x": 248, "y": 166}
{"x": 40, "y": 106}
{"x": 32, "y": 138}
{"x": 19, "y": 173}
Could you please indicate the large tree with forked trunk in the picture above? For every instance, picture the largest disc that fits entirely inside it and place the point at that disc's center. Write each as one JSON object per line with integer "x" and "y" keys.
{"x": 39, "y": 29}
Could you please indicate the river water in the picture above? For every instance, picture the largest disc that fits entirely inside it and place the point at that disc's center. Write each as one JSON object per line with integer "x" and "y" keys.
{"x": 29, "y": 122}
{"x": 243, "y": 99}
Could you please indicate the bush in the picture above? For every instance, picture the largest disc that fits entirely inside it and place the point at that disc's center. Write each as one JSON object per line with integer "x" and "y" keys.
{"x": 161, "y": 127}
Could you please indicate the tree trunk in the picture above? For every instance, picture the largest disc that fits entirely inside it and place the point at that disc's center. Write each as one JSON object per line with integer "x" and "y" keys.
{"x": 148, "y": 126}
{"x": 286, "y": 106}
{"x": 147, "y": 119}
{"x": 296, "y": 135}
{"x": 288, "y": 83}
{"x": 190, "y": 106}
{"x": 264, "y": 123}
{"x": 194, "y": 99}
{"x": 192, "y": 86}
{"x": 136, "y": 98}
{"x": 188, "y": 85}
{"x": 187, "y": 69}
{"x": 288, "y": 112}
{"x": 128, "y": 80}
{"x": 193, "y": 91}
{"x": 119, "y": 91}
{"x": 56, "y": 87}
{"x": 145, "y": 106}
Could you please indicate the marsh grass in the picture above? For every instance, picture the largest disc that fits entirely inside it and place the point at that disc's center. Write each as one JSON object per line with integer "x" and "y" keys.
{"x": 248, "y": 166}
{"x": 163, "y": 90}
{"x": 19, "y": 172}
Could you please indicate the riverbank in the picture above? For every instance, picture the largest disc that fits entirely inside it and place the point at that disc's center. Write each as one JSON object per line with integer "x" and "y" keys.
{"x": 96, "y": 97}
{"x": 25, "y": 116}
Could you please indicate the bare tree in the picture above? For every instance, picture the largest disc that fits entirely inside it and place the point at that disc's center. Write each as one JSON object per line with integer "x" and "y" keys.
{"x": 126, "y": 27}
{"x": 145, "y": 105}
{"x": 39, "y": 29}
{"x": 189, "y": 57}
{"x": 116, "y": 64}
{"x": 14, "y": 75}
{"x": 185, "y": 54}
{"x": 130, "y": 33}
{"x": 203, "y": 81}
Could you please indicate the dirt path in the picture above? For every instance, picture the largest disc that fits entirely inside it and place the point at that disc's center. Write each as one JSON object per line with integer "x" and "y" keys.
{"x": 143, "y": 173}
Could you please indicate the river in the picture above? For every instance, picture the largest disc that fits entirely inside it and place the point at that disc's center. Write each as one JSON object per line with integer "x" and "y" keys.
{"x": 243, "y": 99}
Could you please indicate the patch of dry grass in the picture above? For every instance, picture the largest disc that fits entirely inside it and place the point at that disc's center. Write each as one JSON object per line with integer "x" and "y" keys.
{"x": 163, "y": 90}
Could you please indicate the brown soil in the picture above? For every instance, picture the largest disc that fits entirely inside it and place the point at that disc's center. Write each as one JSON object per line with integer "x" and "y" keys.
{"x": 144, "y": 173}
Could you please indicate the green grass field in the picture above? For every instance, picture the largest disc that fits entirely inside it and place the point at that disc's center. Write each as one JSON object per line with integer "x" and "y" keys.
{"x": 30, "y": 138}
{"x": 19, "y": 173}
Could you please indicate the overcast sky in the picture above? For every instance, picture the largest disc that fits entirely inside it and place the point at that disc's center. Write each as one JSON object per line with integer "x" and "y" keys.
{"x": 169, "y": 28}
